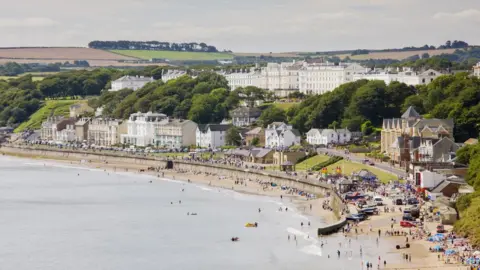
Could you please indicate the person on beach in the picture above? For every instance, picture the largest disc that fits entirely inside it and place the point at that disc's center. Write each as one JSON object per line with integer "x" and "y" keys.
{"x": 309, "y": 223}
{"x": 338, "y": 253}
{"x": 289, "y": 237}
{"x": 301, "y": 224}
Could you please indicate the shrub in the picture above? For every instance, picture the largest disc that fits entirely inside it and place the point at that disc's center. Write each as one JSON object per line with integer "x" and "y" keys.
{"x": 329, "y": 162}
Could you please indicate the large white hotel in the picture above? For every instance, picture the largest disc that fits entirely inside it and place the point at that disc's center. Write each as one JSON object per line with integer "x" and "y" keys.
{"x": 318, "y": 78}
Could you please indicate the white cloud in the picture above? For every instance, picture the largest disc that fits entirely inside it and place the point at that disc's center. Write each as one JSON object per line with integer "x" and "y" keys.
{"x": 461, "y": 15}
{"x": 27, "y": 22}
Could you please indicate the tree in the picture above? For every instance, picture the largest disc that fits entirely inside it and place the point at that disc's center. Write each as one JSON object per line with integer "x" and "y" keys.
{"x": 255, "y": 141}
{"x": 333, "y": 125}
{"x": 233, "y": 136}
{"x": 367, "y": 128}
{"x": 251, "y": 94}
{"x": 272, "y": 114}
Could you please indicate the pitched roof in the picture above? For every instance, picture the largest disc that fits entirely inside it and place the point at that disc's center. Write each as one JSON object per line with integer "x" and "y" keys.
{"x": 254, "y": 131}
{"x": 253, "y": 112}
{"x": 295, "y": 132}
{"x": 410, "y": 113}
{"x": 471, "y": 141}
{"x": 218, "y": 127}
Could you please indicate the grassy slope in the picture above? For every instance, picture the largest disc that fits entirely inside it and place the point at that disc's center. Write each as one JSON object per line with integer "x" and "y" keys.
{"x": 285, "y": 106}
{"x": 172, "y": 55}
{"x": 58, "y": 107}
{"x": 34, "y": 78}
{"x": 308, "y": 163}
{"x": 350, "y": 167}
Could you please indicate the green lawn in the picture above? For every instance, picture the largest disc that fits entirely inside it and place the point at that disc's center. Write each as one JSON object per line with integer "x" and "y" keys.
{"x": 350, "y": 167}
{"x": 308, "y": 163}
{"x": 57, "y": 107}
{"x": 172, "y": 55}
{"x": 34, "y": 78}
{"x": 285, "y": 105}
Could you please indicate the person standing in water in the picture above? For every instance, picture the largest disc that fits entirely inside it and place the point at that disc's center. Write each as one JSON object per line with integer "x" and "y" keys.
{"x": 259, "y": 210}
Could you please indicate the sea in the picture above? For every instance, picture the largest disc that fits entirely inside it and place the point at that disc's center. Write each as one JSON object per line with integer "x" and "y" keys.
{"x": 57, "y": 216}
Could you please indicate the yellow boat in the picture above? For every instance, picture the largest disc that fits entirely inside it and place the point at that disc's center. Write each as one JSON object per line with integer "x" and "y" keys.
{"x": 250, "y": 225}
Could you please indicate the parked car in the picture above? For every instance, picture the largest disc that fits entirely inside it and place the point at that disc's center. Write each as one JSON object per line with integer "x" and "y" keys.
{"x": 378, "y": 201}
{"x": 408, "y": 217}
{"x": 440, "y": 228}
{"x": 371, "y": 163}
{"x": 356, "y": 217}
{"x": 398, "y": 202}
{"x": 407, "y": 224}
{"x": 412, "y": 201}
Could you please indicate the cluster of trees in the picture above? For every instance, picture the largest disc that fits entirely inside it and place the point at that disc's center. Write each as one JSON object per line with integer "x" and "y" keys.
{"x": 353, "y": 104}
{"x": 459, "y": 60}
{"x": 19, "y": 99}
{"x": 456, "y": 44}
{"x": 469, "y": 205}
{"x": 204, "y": 99}
{"x": 152, "y": 45}
{"x": 14, "y": 69}
{"x": 359, "y": 52}
{"x": 77, "y": 83}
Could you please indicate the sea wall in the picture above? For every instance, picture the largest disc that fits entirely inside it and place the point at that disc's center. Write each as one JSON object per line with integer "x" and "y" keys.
{"x": 280, "y": 179}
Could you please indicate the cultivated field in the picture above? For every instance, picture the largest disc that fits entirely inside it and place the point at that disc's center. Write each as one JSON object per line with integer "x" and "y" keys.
{"x": 61, "y": 54}
{"x": 172, "y": 55}
{"x": 285, "y": 54}
{"x": 395, "y": 55}
{"x": 93, "y": 63}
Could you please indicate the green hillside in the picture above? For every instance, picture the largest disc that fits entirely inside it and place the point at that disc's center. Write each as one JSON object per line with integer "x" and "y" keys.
{"x": 173, "y": 55}
{"x": 57, "y": 107}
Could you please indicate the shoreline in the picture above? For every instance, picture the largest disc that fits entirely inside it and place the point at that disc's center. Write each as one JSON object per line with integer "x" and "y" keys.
{"x": 422, "y": 259}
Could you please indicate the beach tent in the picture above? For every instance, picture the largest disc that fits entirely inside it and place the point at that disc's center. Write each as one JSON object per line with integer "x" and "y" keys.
{"x": 437, "y": 248}
{"x": 450, "y": 252}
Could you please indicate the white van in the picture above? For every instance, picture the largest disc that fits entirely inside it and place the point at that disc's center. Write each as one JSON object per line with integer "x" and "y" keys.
{"x": 378, "y": 201}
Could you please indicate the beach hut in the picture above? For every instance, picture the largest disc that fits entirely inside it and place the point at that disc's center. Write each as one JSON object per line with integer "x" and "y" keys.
{"x": 287, "y": 166}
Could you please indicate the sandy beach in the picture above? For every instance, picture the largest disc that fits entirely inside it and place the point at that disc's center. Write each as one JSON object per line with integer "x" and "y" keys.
{"x": 421, "y": 258}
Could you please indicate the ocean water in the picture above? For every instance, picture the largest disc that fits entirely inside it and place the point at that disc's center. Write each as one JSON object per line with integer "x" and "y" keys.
{"x": 55, "y": 216}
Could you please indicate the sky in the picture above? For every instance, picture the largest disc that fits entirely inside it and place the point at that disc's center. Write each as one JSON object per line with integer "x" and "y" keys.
{"x": 243, "y": 25}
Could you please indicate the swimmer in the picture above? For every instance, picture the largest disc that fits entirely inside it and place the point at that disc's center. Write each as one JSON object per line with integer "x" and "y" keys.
{"x": 171, "y": 202}
{"x": 183, "y": 189}
{"x": 180, "y": 202}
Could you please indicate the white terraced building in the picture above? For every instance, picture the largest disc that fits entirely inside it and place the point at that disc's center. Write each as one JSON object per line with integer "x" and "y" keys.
{"x": 406, "y": 75}
{"x": 141, "y": 128}
{"x": 177, "y": 133}
{"x": 476, "y": 70}
{"x": 283, "y": 76}
{"x": 274, "y": 77}
{"x": 281, "y": 135}
{"x": 105, "y": 132}
{"x": 130, "y": 82}
{"x": 172, "y": 74}
{"x": 243, "y": 78}
{"x": 320, "y": 78}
